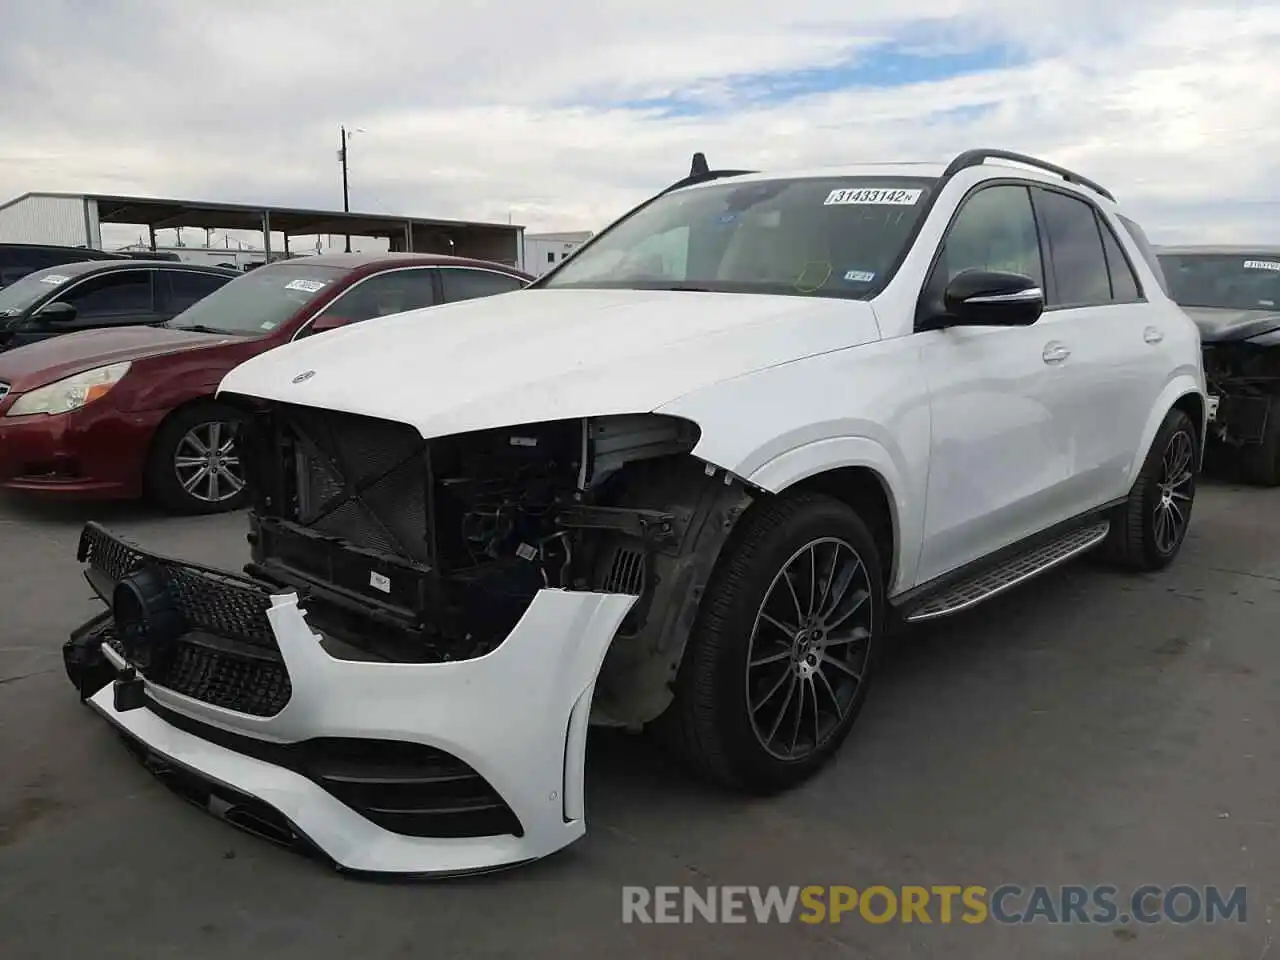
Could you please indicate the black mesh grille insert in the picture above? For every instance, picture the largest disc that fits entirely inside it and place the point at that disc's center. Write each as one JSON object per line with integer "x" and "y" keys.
{"x": 211, "y": 601}
{"x": 252, "y": 679}
{"x": 251, "y": 685}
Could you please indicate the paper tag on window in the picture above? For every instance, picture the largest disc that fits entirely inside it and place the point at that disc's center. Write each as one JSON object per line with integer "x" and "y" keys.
{"x": 869, "y": 195}
{"x": 526, "y": 552}
{"x": 379, "y": 581}
{"x": 307, "y": 286}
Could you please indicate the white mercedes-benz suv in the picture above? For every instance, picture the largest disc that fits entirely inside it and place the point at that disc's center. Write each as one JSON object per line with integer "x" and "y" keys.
{"x": 687, "y": 480}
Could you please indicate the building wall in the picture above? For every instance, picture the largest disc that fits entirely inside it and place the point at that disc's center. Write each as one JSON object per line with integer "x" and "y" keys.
{"x": 39, "y": 219}
{"x": 499, "y": 244}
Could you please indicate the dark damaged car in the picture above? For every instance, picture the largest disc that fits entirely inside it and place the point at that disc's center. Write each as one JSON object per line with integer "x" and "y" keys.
{"x": 1233, "y": 294}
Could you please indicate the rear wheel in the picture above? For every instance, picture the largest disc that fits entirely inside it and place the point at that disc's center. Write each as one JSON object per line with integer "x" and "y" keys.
{"x": 1260, "y": 463}
{"x": 785, "y": 645}
{"x": 194, "y": 466}
{"x": 1149, "y": 530}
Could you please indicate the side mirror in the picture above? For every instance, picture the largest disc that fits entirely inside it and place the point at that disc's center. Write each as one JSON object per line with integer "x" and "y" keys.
{"x": 57, "y": 312}
{"x": 988, "y": 298}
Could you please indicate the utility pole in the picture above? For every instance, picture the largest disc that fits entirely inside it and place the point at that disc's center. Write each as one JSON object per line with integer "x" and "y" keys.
{"x": 342, "y": 155}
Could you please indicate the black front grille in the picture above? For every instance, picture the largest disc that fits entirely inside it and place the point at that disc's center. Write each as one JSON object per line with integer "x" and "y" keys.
{"x": 246, "y": 675}
{"x": 256, "y": 686}
{"x": 362, "y": 480}
{"x": 220, "y": 603}
{"x": 406, "y": 788}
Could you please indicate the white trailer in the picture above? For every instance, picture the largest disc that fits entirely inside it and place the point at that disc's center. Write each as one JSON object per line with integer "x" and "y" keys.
{"x": 542, "y": 251}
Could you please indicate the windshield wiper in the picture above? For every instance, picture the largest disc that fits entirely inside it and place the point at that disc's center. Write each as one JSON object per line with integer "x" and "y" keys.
{"x": 194, "y": 328}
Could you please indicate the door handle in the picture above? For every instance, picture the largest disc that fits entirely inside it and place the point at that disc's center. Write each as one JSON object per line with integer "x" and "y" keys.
{"x": 1055, "y": 352}
{"x": 1152, "y": 335}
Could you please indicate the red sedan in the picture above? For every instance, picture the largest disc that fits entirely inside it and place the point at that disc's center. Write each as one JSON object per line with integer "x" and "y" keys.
{"x": 123, "y": 413}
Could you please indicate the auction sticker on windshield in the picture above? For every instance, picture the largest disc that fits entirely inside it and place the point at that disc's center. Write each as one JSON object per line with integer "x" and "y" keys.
{"x": 1261, "y": 265}
{"x": 309, "y": 286}
{"x": 874, "y": 195}
{"x": 54, "y": 278}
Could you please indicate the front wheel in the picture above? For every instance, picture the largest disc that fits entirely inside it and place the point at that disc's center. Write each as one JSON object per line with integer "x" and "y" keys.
{"x": 785, "y": 645}
{"x": 194, "y": 465}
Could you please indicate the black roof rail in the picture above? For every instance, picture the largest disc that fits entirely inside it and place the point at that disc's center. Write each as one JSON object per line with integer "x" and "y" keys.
{"x": 974, "y": 158}
{"x": 701, "y": 172}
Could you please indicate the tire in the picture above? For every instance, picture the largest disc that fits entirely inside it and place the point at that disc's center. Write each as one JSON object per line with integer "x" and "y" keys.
{"x": 1260, "y": 464}
{"x": 710, "y": 723}
{"x": 1141, "y": 536}
{"x": 178, "y": 437}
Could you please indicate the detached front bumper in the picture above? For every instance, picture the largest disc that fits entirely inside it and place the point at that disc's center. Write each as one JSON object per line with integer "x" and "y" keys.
{"x": 407, "y": 768}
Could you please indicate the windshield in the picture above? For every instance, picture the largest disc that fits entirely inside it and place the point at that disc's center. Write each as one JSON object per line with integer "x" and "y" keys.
{"x": 825, "y": 237}
{"x": 258, "y": 302}
{"x": 1235, "y": 282}
{"x": 20, "y": 295}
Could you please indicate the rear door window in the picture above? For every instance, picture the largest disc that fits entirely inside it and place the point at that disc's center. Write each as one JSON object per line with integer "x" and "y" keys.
{"x": 461, "y": 283}
{"x": 117, "y": 295}
{"x": 1076, "y": 254}
{"x": 1124, "y": 282}
{"x": 186, "y": 287}
{"x": 383, "y": 294}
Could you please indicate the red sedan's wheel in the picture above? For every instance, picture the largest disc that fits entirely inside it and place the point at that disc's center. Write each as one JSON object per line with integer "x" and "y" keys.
{"x": 194, "y": 465}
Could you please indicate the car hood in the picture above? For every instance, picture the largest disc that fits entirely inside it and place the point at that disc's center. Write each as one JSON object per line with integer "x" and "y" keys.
{"x": 1218, "y": 326}
{"x": 35, "y": 364}
{"x": 539, "y": 355}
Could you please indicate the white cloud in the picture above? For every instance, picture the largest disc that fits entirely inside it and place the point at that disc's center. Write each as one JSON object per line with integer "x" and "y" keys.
{"x": 488, "y": 110}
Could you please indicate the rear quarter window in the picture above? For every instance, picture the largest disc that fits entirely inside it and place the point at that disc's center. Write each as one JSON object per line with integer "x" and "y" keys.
{"x": 1139, "y": 238}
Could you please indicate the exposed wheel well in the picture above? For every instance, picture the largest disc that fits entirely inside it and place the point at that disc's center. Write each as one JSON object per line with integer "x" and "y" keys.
{"x": 863, "y": 490}
{"x": 1192, "y": 404}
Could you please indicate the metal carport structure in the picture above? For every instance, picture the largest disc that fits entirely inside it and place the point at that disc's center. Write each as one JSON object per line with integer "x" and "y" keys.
{"x": 487, "y": 241}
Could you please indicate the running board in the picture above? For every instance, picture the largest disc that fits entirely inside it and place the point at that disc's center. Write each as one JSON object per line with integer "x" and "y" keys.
{"x": 1009, "y": 573}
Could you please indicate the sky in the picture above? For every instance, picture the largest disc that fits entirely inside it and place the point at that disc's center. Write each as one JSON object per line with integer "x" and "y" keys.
{"x": 562, "y": 115}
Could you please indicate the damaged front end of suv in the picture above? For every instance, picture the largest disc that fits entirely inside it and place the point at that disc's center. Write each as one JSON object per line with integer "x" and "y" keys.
{"x": 1243, "y": 378}
{"x": 1232, "y": 294}
{"x": 479, "y": 528}
{"x": 403, "y": 675}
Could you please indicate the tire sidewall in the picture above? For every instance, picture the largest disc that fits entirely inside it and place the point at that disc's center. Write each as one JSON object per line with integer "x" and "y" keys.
{"x": 826, "y": 518}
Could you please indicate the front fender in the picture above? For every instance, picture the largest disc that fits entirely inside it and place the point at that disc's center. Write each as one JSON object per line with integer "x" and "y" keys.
{"x": 833, "y": 453}
{"x": 1182, "y": 385}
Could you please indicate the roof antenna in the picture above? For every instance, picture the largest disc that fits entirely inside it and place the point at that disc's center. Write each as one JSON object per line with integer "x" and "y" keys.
{"x": 699, "y": 167}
